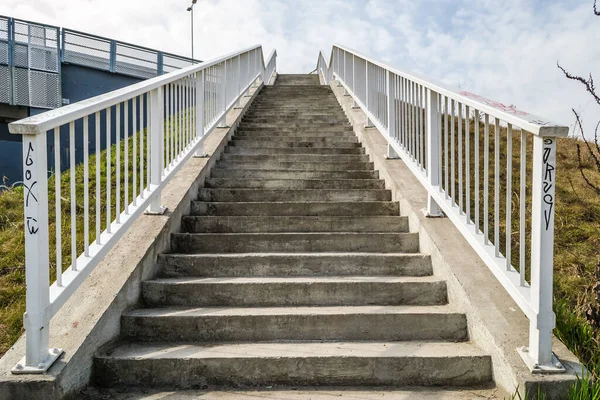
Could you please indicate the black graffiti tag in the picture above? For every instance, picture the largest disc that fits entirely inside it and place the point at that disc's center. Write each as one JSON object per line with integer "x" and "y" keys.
{"x": 547, "y": 184}
{"x": 32, "y": 225}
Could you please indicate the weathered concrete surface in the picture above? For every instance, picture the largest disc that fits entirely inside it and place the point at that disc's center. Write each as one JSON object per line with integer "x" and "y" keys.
{"x": 294, "y": 264}
{"x": 302, "y": 364}
{"x": 496, "y": 323}
{"x": 91, "y": 317}
{"x": 406, "y": 393}
{"x": 294, "y": 291}
{"x": 395, "y": 330}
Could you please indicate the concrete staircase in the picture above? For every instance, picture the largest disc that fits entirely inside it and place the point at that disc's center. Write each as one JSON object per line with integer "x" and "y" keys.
{"x": 294, "y": 268}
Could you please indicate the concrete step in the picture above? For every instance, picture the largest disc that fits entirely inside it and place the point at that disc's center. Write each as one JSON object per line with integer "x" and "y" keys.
{"x": 291, "y": 125}
{"x": 334, "y": 140}
{"x": 290, "y": 208}
{"x": 248, "y": 324}
{"x": 276, "y": 133}
{"x": 318, "y": 158}
{"x": 294, "y": 364}
{"x": 294, "y": 292}
{"x": 339, "y": 118}
{"x": 332, "y": 151}
{"x": 275, "y": 195}
{"x": 222, "y": 183}
{"x": 290, "y": 265}
{"x": 299, "y": 393}
{"x": 332, "y": 165}
{"x": 291, "y": 174}
{"x": 294, "y": 242}
{"x": 287, "y": 143}
{"x": 272, "y": 224}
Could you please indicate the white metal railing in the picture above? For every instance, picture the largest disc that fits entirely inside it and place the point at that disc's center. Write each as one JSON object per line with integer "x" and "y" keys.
{"x": 437, "y": 130}
{"x": 149, "y": 130}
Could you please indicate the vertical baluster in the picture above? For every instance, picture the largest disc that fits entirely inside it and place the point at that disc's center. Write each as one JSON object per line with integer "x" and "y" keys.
{"x": 168, "y": 124}
{"x": 142, "y": 195}
{"x": 486, "y": 177}
{"x": 522, "y": 207}
{"x": 73, "y": 197}
{"x": 422, "y": 100}
{"x": 467, "y": 165}
{"x": 118, "y": 160}
{"x": 497, "y": 186}
{"x": 476, "y": 155}
{"x": 108, "y": 171}
{"x": 460, "y": 158}
{"x": 509, "y": 133}
{"x": 134, "y": 167}
{"x": 403, "y": 91}
{"x": 86, "y": 188}
{"x": 452, "y": 156}
{"x": 148, "y": 111}
{"x": 446, "y": 150}
{"x": 98, "y": 194}
{"x": 126, "y": 148}
{"x": 57, "y": 195}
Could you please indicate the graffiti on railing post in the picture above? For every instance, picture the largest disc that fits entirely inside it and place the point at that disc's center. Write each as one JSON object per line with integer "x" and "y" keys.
{"x": 549, "y": 161}
{"x": 28, "y": 185}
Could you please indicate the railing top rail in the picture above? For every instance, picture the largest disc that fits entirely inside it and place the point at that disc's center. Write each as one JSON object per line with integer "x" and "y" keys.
{"x": 41, "y": 24}
{"x": 524, "y": 120}
{"x": 42, "y": 123}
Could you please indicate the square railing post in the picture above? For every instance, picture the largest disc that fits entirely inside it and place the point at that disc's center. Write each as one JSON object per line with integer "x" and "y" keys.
{"x": 391, "y": 113}
{"x": 38, "y": 357}
{"x": 223, "y": 120}
{"x": 433, "y": 151}
{"x": 156, "y": 149}
{"x": 368, "y": 123}
{"x": 539, "y": 355}
{"x": 200, "y": 113}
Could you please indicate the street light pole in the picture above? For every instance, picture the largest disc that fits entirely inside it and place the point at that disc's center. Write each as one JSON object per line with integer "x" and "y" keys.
{"x": 191, "y": 10}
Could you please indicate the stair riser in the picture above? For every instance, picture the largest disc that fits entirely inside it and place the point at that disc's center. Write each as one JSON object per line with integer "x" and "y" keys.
{"x": 296, "y": 209}
{"x": 290, "y": 371}
{"x": 295, "y": 185}
{"x": 334, "y": 327}
{"x": 277, "y": 133}
{"x": 291, "y": 175}
{"x": 294, "y": 294}
{"x": 274, "y": 144}
{"x": 299, "y": 118}
{"x": 350, "y": 158}
{"x": 229, "y": 224}
{"x": 293, "y": 150}
{"x": 257, "y": 195}
{"x": 298, "y": 166}
{"x": 298, "y": 139}
{"x": 173, "y": 265}
{"x": 248, "y": 243}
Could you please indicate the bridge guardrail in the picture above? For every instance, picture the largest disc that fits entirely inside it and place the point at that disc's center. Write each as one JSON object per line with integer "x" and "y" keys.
{"x": 423, "y": 122}
{"x": 155, "y": 126}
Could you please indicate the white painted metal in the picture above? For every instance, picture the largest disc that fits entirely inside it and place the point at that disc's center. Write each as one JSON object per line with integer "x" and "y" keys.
{"x": 185, "y": 91}
{"x": 535, "y": 299}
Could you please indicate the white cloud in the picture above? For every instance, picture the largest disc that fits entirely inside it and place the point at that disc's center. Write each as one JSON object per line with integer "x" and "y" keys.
{"x": 503, "y": 50}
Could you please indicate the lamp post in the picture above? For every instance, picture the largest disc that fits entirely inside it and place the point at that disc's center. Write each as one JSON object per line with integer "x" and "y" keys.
{"x": 191, "y": 10}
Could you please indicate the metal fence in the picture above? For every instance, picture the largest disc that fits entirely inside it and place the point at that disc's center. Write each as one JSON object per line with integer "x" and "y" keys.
{"x": 158, "y": 123}
{"x": 29, "y": 64}
{"x": 448, "y": 137}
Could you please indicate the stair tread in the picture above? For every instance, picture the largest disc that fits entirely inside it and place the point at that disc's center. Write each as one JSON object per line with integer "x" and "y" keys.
{"x": 294, "y": 279}
{"x": 274, "y": 350}
{"x": 195, "y": 311}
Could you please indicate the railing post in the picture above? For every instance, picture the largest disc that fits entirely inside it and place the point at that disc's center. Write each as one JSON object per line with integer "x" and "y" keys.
{"x": 38, "y": 357}
{"x": 433, "y": 151}
{"x": 200, "y": 114}
{"x": 368, "y": 123}
{"x": 539, "y": 355}
{"x": 113, "y": 56}
{"x": 223, "y": 120}
{"x": 391, "y": 112}
{"x": 156, "y": 149}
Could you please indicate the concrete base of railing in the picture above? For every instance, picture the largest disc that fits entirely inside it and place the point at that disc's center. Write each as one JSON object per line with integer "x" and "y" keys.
{"x": 496, "y": 324}
{"x": 91, "y": 317}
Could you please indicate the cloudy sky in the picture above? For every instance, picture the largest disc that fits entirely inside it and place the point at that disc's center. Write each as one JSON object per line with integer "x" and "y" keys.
{"x": 502, "y": 49}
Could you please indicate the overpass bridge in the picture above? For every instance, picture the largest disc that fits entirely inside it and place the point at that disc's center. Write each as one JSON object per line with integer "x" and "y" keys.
{"x": 363, "y": 228}
{"x": 43, "y": 67}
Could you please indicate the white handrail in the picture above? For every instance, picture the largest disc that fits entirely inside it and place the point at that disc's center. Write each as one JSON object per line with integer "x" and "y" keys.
{"x": 153, "y": 127}
{"x": 423, "y": 122}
